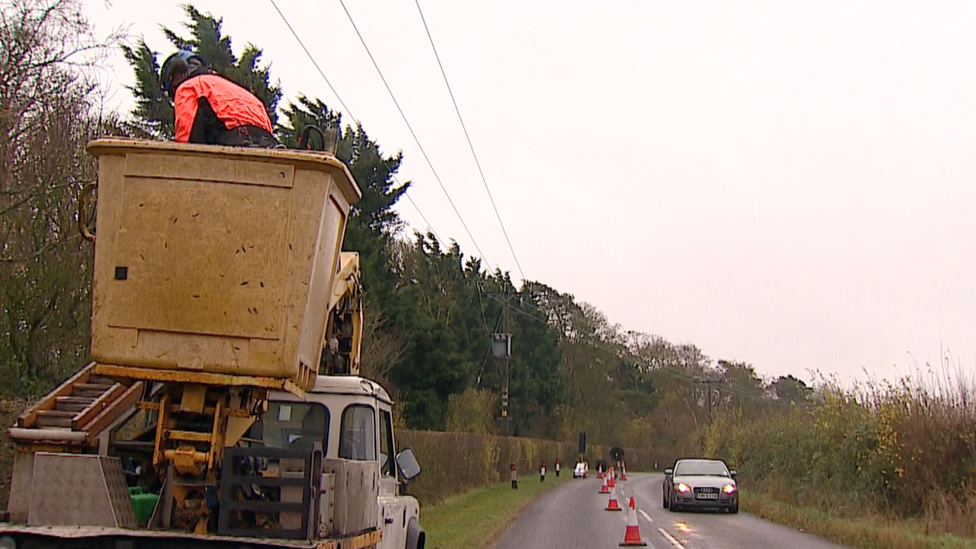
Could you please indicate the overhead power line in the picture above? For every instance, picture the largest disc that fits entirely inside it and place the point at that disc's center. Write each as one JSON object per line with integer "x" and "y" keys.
{"x": 422, "y": 216}
{"x": 348, "y": 111}
{"x": 410, "y": 128}
{"x": 520, "y": 310}
{"x": 312, "y": 59}
{"x": 468, "y": 137}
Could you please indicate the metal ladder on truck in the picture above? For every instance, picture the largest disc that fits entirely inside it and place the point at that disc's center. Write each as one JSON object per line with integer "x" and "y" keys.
{"x": 71, "y": 418}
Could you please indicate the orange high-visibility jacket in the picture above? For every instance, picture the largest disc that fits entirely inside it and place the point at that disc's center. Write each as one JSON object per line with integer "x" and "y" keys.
{"x": 233, "y": 105}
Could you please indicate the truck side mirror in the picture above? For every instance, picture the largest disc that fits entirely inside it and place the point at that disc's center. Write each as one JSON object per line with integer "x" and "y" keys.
{"x": 408, "y": 465}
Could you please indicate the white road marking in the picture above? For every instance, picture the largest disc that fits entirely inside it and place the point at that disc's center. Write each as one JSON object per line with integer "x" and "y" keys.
{"x": 648, "y": 517}
{"x": 670, "y": 538}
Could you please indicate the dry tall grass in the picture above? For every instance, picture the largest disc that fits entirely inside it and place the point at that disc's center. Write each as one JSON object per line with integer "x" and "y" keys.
{"x": 905, "y": 449}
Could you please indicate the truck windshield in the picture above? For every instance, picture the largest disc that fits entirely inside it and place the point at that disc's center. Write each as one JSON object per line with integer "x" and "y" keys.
{"x": 296, "y": 425}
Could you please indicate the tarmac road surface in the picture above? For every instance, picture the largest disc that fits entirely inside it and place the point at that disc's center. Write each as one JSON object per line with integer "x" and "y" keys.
{"x": 573, "y": 515}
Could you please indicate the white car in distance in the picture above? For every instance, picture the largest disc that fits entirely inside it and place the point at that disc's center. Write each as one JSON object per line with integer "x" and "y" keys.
{"x": 582, "y": 470}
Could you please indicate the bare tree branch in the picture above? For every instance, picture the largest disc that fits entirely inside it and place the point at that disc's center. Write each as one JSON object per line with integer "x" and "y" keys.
{"x": 47, "y": 114}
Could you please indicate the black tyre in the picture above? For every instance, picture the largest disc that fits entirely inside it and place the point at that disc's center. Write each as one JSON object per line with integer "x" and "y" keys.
{"x": 734, "y": 509}
{"x": 416, "y": 537}
{"x": 672, "y": 506}
{"x": 664, "y": 501}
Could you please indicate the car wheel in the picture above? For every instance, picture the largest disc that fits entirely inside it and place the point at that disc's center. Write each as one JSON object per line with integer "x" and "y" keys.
{"x": 734, "y": 509}
{"x": 664, "y": 501}
{"x": 672, "y": 506}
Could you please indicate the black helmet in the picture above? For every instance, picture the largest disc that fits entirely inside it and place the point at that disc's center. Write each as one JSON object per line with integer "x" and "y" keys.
{"x": 177, "y": 68}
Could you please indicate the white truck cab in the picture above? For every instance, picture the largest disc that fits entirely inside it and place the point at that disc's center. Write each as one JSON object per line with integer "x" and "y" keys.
{"x": 350, "y": 418}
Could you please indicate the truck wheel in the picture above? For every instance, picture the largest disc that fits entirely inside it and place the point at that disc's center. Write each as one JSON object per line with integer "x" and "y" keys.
{"x": 416, "y": 537}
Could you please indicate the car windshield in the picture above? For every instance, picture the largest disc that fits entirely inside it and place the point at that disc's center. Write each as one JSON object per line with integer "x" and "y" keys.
{"x": 701, "y": 468}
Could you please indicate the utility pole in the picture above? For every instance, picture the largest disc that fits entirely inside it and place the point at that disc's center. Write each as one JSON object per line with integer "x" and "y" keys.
{"x": 708, "y": 396}
{"x": 506, "y": 361}
{"x": 501, "y": 346}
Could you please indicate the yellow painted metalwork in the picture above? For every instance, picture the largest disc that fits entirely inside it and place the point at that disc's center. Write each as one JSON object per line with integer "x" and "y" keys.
{"x": 160, "y": 428}
{"x": 188, "y": 436}
{"x": 345, "y": 319}
{"x": 237, "y": 413}
{"x": 236, "y": 427}
{"x": 198, "y": 378}
{"x": 187, "y": 460}
{"x": 215, "y": 446}
{"x": 193, "y": 399}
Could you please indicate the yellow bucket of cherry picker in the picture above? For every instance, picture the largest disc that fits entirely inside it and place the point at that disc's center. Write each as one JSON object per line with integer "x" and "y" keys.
{"x": 216, "y": 259}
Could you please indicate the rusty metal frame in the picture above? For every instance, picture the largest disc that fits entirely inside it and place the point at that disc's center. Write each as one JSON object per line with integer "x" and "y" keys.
{"x": 232, "y": 483}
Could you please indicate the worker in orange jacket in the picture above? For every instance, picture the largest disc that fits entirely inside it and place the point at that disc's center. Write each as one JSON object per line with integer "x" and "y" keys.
{"x": 211, "y": 109}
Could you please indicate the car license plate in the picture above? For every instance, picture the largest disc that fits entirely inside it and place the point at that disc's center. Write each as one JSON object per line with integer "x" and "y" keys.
{"x": 706, "y": 496}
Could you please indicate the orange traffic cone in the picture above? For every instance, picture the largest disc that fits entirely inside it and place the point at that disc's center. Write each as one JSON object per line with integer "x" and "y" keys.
{"x": 605, "y": 489}
{"x": 623, "y": 472}
{"x": 632, "y": 537}
{"x": 613, "y": 505}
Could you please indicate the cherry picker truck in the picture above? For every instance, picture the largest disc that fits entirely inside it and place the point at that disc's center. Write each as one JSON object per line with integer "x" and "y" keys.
{"x": 223, "y": 406}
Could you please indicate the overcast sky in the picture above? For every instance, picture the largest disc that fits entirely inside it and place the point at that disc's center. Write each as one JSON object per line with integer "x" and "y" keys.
{"x": 787, "y": 184}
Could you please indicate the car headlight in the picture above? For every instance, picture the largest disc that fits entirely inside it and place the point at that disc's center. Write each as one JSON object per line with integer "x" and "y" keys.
{"x": 683, "y": 488}
{"x": 729, "y": 488}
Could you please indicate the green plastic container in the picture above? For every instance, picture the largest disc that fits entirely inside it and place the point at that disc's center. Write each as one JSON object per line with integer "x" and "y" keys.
{"x": 142, "y": 503}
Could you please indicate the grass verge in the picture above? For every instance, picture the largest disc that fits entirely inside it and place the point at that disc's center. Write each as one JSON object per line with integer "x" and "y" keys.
{"x": 477, "y": 518}
{"x": 863, "y": 533}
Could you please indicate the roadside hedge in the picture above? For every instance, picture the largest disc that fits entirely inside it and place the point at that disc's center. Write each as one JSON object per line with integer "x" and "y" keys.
{"x": 453, "y": 463}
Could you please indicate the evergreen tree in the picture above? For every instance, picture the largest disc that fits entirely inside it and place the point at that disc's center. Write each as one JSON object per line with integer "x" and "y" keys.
{"x": 153, "y": 111}
{"x": 437, "y": 297}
